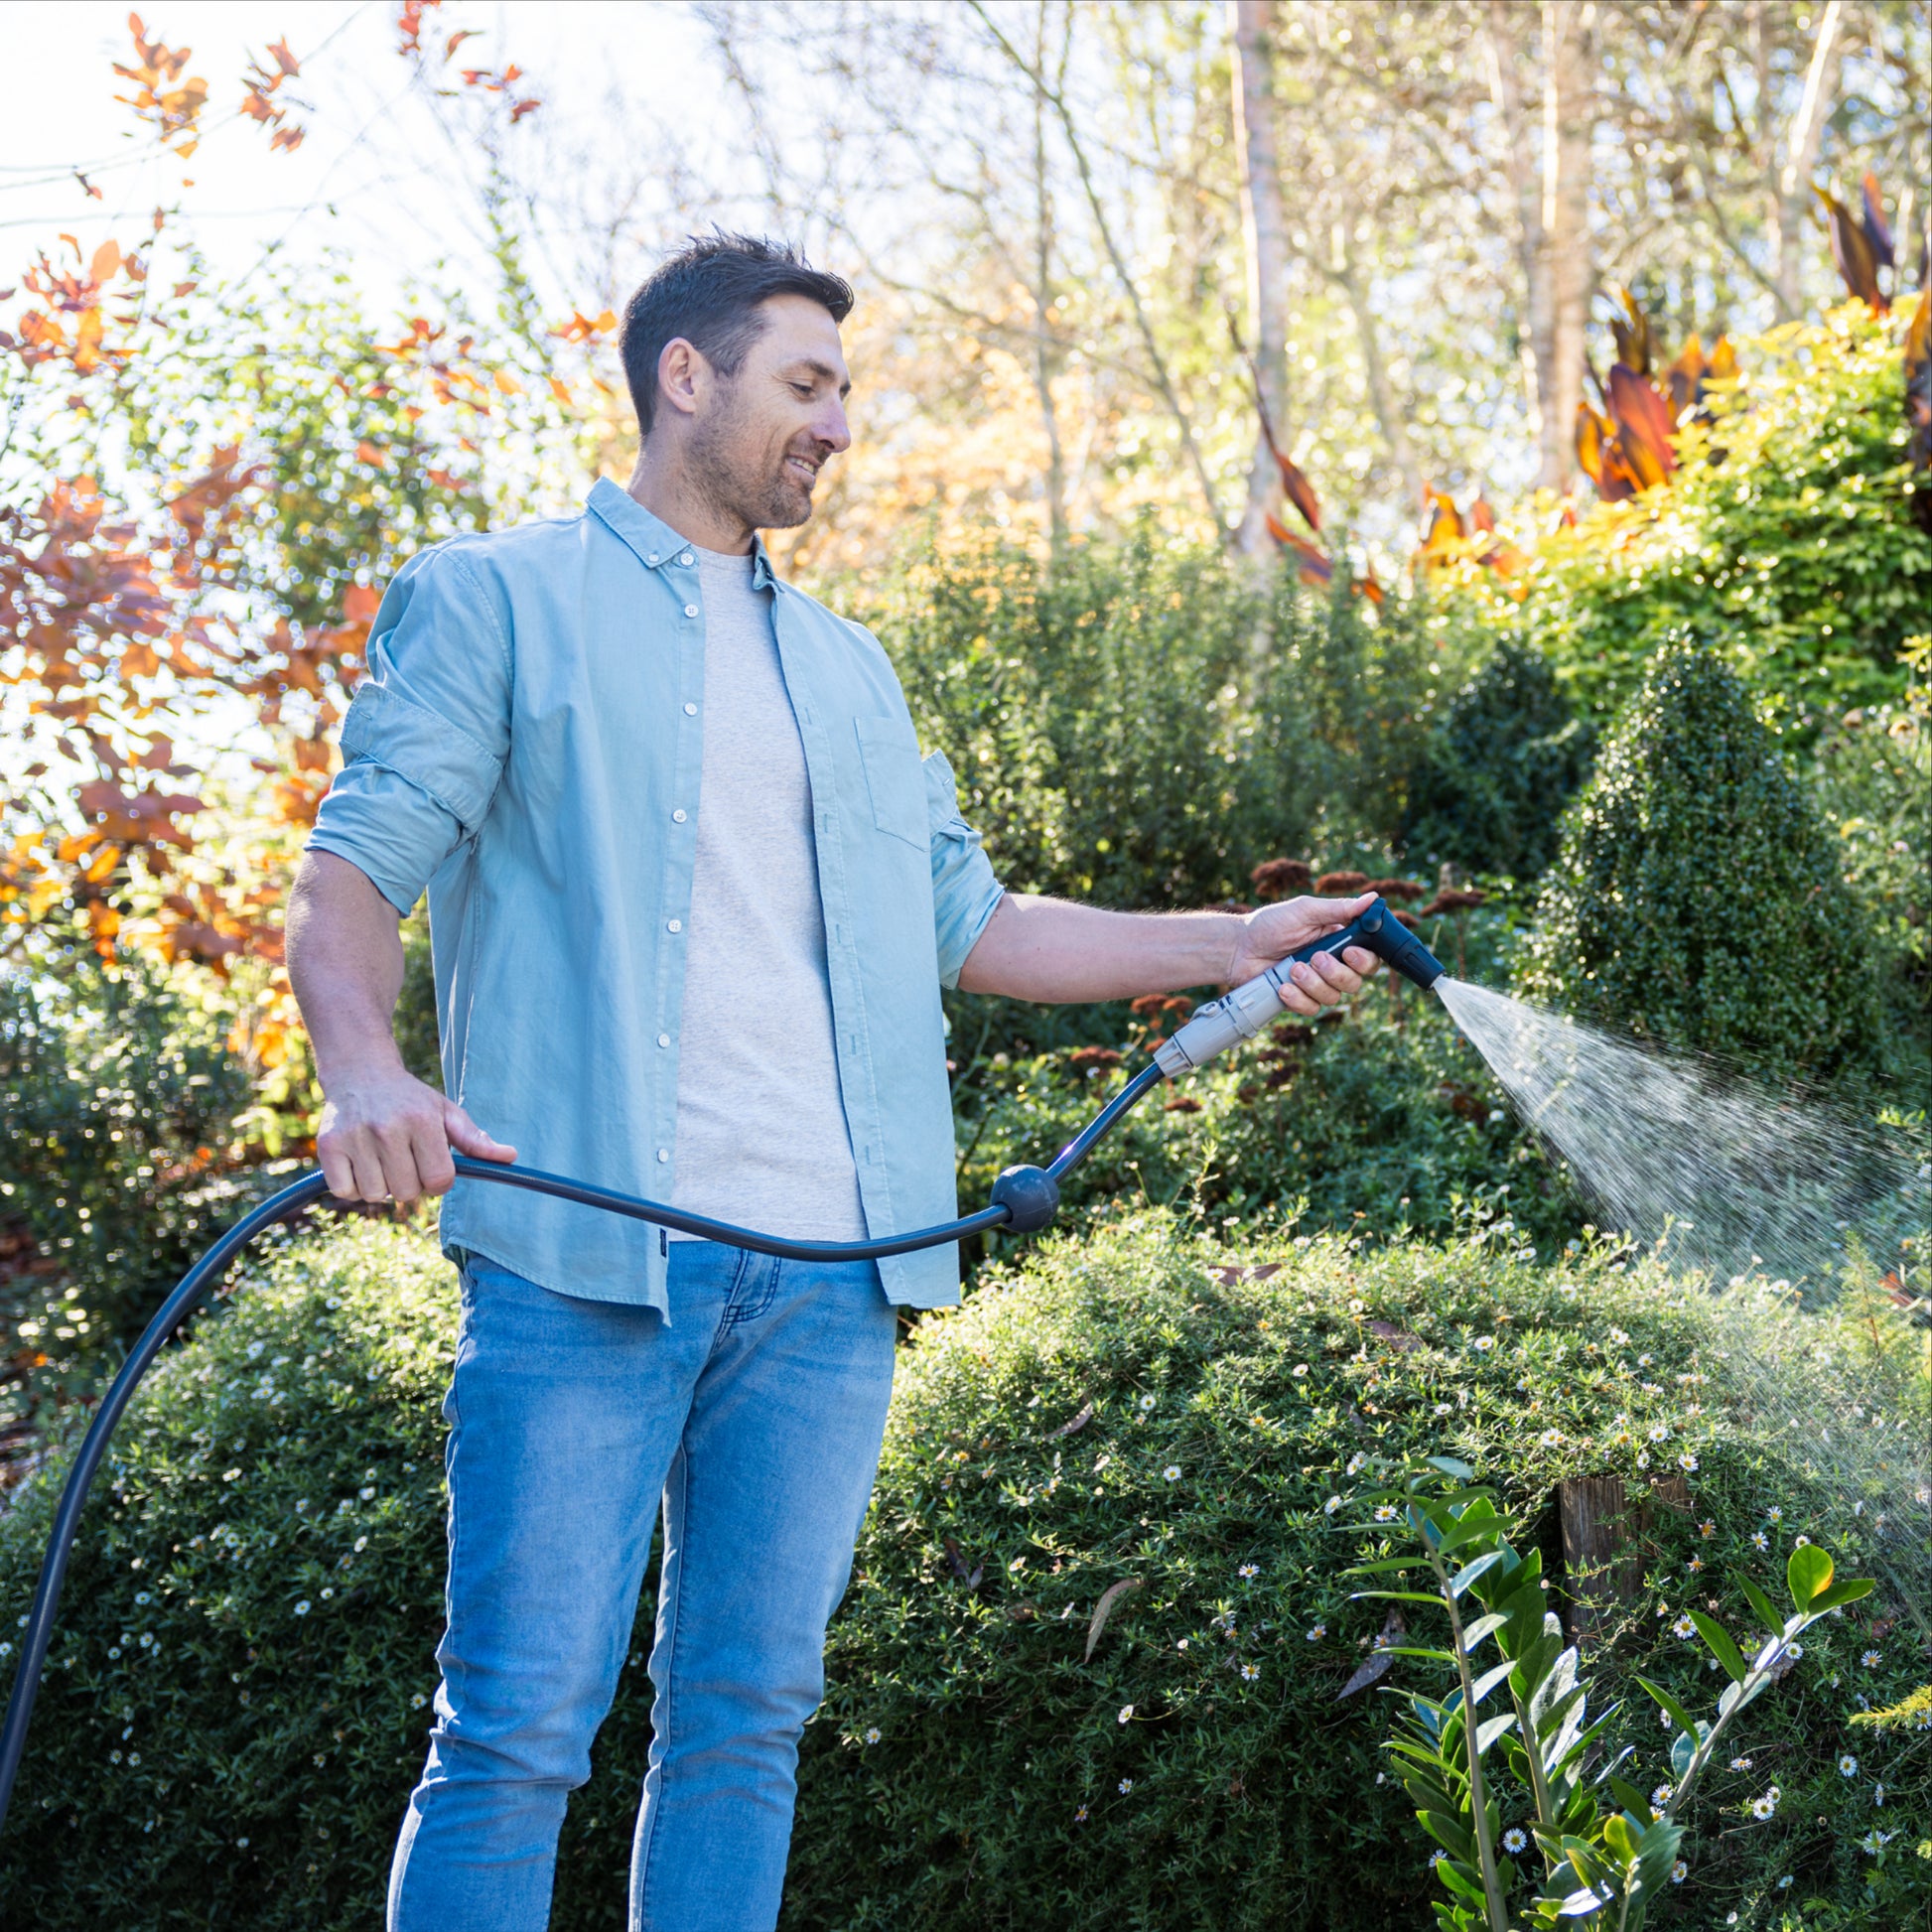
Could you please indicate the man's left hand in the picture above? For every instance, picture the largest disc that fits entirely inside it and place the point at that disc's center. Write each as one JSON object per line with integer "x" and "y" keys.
{"x": 1275, "y": 931}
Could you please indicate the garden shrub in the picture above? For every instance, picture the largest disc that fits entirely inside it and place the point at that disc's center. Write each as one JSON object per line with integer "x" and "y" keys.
{"x": 236, "y": 1705}
{"x": 972, "y": 1768}
{"x": 1873, "y": 780}
{"x": 1696, "y": 899}
{"x": 1494, "y": 775}
{"x": 1142, "y": 724}
{"x": 1785, "y": 539}
{"x": 118, "y": 1096}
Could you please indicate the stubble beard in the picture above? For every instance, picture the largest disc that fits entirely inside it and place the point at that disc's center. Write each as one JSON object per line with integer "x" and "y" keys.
{"x": 739, "y": 485}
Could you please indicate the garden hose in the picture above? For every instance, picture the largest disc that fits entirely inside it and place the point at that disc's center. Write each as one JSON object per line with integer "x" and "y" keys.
{"x": 1023, "y": 1201}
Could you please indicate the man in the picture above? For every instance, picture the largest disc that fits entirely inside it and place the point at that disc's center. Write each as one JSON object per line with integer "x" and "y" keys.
{"x": 694, "y": 894}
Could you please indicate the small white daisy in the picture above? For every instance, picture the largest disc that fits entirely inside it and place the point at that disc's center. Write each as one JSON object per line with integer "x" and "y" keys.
{"x": 1147, "y": 1403}
{"x": 1125, "y": 1786}
{"x": 1759, "y": 1541}
{"x": 1870, "y": 1658}
{"x": 1659, "y": 1433}
{"x": 1081, "y": 1816}
{"x": 1385, "y": 1512}
{"x": 1332, "y": 1505}
{"x": 1515, "y": 1839}
{"x": 1320, "y": 1631}
{"x": 1688, "y": 1462}
{"x": 1249, "y": 1569}
{"x": 1775, "y": 1515}
{"x": 1679, "y": 1873}
{"x": 1741, "y": 1764}
{"x": 872, "y": 1736}
{"x": 1848, "y": 1766}
{"x": 302, "y": 1608}
{"x": 1249, "y": 1672}
{"x": 1171, "y": 1473}
{"x": 1484, "y": 1343}
{"x": 1126, "y": 1714}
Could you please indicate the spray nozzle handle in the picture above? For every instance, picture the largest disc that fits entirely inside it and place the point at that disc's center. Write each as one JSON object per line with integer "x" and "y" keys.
{"x": 1242, "y": 1014}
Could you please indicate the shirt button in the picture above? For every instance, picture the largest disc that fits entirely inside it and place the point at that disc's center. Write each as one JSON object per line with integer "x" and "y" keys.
{"x": 663, "y": 1154}
{"x": 690, "y": 609}
{"x": 687, "y": 558}
{"x": 677, "y": 817}
{"x": 663, "y": 1039}
{"x": 653, "y": 558}
{"x": 690, "y": 711}
{"x": 677, "y": 926}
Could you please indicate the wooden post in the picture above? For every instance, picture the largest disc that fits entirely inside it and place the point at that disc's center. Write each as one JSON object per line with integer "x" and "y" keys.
{"x": 1593, "y": 1513}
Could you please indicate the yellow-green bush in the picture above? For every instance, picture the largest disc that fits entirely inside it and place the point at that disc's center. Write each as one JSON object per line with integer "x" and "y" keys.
{"x": 1785, "y": 539}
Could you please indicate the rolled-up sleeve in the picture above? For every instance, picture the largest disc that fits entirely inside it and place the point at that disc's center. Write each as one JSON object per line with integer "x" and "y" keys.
{"x": 424, "y": 740}
{"x": 965, "y": 889}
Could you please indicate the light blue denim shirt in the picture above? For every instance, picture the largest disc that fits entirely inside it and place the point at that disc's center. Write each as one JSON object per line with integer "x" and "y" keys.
{"x": 528, "y": 746}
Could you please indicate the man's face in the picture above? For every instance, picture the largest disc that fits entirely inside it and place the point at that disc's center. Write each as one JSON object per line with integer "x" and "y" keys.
{"x": 761, "y": 436}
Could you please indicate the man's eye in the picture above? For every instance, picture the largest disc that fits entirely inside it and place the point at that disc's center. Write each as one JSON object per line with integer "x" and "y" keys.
{"x": 803, "y": 389}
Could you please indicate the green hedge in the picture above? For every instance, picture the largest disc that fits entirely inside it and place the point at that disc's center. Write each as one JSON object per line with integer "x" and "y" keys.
{"x": 1696, "y": 900}
{"x": 209, "y": 1752}
{"x": 1143, "y": 724}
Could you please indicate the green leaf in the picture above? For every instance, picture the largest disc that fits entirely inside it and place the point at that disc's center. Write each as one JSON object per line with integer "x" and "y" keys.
{"x": 1472, "y": 1530}
{"x": 1451, "y": 1873}
{"x": 1634, "y": 1802}
{"x": 1452, "y": 1465}
{"x": 1493, "y": 1729}
{"x": 1681, "y": 1717}
{"x": 1481, "y": 1567}
{"x": 1726, "y": 1653}
{"x": 1474, "y": 1633}
{"x": 1385, "y": 1565}
{"x": 1448, "y": 1832}
{"x": 1848, "y": 1591}
{"x": 1762, "y": 1604}
{"x": 1393, "y": 1597}
{"x": 1809, "y": 1574}
{"x": 1579, "y": 1902}
{"x": 1488, "y": 1681}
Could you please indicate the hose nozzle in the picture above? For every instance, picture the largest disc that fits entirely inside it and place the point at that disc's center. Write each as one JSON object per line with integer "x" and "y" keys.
{"x": 1245, "y": 1012}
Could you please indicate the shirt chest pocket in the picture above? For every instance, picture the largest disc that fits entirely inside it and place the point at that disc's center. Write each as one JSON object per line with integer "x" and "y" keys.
{"x": 895, "y": 779}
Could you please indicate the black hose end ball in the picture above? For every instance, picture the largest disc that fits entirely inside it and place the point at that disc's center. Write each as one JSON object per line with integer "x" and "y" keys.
{"x": 1030, "y": 1197}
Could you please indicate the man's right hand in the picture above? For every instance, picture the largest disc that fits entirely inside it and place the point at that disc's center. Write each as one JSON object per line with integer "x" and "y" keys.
{"x": 388, "y": 1136}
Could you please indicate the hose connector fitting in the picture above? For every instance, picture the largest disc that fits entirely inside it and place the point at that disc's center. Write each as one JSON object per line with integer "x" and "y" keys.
{"x": 1029, "y": 1196}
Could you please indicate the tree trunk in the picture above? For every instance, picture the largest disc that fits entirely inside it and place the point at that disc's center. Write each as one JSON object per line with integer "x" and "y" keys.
{"x": 1592, "y": 1509}
{"x": 1381, "y": 391}
{"x": 1538, "y": 343}
{"x": 1042, "y": 294}
{"x": 1790, "y": 183}
{"x": 1569, "y": 121}
{"x": 1265, "y": 228}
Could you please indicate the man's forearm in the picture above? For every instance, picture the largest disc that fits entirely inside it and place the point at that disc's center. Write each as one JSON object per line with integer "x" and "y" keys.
{"x": 1053, "y": 950}
{"x": 1057, "y": 953}
{"x": 346, "y": 963}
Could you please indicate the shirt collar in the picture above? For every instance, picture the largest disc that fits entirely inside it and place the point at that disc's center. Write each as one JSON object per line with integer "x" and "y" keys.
{"x": 653, "y": 542}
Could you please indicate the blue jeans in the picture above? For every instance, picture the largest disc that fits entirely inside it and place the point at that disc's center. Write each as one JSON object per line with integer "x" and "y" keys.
{"x": 756, "y": 1416}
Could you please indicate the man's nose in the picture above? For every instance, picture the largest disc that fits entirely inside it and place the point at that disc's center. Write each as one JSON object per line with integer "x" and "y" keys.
{"x": 831, "y": 427}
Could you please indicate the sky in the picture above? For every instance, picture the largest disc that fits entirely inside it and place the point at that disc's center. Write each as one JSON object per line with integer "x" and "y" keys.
{"x": 374, "y": 177}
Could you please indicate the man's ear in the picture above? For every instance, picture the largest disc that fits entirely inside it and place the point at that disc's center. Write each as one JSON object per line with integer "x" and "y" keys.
{"x": 682, "y": 373}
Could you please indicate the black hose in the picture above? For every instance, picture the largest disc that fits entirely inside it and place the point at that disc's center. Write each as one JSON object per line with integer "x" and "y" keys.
{"x": 312, "y": 1187}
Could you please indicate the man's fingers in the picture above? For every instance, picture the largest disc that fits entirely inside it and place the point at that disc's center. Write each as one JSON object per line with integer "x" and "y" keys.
{"x": 338, "y": 1169}
{"x": 430, "y": 1147}
{"x": 395, "y": 1142}
{"x": 468, "y": 1138}
{"x": 1363, "y": 961}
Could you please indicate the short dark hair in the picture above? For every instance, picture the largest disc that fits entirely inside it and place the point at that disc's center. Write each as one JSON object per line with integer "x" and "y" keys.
{"x": 708, "y": 294}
